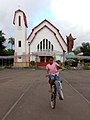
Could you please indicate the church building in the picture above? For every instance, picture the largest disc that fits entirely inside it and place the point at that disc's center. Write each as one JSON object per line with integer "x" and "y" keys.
{"x": 44, "y": 41}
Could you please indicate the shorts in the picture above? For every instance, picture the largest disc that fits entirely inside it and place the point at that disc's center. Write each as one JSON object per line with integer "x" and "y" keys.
{"x": 55, "y": 78}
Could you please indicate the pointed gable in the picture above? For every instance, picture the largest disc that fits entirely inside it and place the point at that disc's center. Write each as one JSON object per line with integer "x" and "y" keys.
{"x": 24, "y": 16}
{"x": 51, "y": 27}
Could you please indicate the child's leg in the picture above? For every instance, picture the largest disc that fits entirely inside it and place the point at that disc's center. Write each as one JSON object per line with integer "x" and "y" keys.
{"x": 51, "y": 78}
{"x": 51, "y": 81}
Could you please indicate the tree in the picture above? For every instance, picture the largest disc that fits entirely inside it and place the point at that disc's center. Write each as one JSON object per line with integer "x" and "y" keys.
{"x": 8, "y": 52}
{"x": 2, "y": 40}
{"x": 85, "y": 48}
{"x": 77, "y": 50}
{"x": 11, "y": 41}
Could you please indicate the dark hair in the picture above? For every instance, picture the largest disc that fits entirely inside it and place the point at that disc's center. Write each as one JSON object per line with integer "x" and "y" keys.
{"x": 51, "y": 57}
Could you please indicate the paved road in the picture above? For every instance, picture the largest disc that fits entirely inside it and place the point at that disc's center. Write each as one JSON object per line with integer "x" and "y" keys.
{"x": 79, "y": 80}
{"x": 24, "y": 96}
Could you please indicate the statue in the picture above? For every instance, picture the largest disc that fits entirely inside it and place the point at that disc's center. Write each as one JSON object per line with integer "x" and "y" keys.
{"x": 70, "y": 42}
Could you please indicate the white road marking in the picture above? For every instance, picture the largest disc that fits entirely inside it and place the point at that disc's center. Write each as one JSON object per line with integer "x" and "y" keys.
{"x": 77, "y": 91}
{"x": 17, "y": 101}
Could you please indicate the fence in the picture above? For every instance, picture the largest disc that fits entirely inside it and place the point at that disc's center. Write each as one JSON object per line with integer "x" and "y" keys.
{"x": 6, "y": 61}
{"x": 9, "y": 60}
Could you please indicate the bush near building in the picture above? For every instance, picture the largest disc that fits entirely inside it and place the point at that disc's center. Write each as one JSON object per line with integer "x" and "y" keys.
{"x": 86, "y": 66}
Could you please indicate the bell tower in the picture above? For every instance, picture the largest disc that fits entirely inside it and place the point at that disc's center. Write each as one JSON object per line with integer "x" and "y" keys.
{"x": 20, "y": 23}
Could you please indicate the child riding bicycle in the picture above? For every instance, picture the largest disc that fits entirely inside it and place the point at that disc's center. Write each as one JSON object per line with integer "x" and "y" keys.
{"x": 52, "y": 72}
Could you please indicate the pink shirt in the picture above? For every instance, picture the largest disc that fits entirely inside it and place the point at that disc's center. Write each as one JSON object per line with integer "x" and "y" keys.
{"x": 52, "y": 68}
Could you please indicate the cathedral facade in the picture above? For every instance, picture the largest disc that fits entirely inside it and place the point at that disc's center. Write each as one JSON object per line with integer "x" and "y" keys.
{"x": 44, "y": 41}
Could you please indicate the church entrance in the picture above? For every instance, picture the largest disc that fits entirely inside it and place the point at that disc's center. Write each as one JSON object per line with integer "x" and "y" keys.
{"x": 43, "y": 60}
{"x": 43, "y": 57}
{"x": 47, "y": 58}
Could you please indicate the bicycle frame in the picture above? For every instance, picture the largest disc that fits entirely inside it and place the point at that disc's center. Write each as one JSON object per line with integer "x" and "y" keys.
{"x": 56, "y": 88}
{"x": 53, "y": 97}
{"x": 59, "y": 89}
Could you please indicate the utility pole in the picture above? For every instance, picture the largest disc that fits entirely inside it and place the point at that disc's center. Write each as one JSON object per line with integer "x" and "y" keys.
{"x": 29, "y": 53}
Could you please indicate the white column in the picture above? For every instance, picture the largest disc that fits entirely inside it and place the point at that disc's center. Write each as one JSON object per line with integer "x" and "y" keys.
{"x": 50, "y": 47}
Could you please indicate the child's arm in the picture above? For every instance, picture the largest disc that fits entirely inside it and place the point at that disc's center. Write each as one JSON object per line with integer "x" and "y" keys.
{"x": 59, "y": 66}
{"x": 47, "y": 72}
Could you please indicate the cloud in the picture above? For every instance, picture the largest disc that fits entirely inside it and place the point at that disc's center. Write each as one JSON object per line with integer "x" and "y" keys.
{"x": 71, "y": 16}
{"x": 75, "y": 11}
{"x": 35, "y": 12}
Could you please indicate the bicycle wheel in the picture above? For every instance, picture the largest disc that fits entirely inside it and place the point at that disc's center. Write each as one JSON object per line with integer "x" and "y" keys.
{"x": 61, "y": 97}
{"x": 59, "y": 90}
{"x": 53, "y": 100}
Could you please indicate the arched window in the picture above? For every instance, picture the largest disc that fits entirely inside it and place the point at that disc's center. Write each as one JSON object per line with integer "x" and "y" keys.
{"x": 38, "y": 47}
{"x": 52, "y": 48}
{"x": 41, "y": 45}
{"x": 19, "y": 43}
{"x": 45, "y": 44}
{"x": 19, "y": 20}
{"x": 49, "y": 45}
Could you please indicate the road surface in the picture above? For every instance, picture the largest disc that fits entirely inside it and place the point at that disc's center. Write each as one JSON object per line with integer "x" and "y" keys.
{"x": 24, "y": 95}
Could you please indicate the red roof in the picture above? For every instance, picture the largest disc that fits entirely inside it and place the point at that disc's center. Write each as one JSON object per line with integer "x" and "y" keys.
{"x": 25, "y": 20}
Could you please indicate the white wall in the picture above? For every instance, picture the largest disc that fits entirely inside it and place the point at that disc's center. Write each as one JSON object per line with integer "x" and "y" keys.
{"x": 45, "y": 33}
{"x": 20, "y": 34}
{"x": 53, "y": 29}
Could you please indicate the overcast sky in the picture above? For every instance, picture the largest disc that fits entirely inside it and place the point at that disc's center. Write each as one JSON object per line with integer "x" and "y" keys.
{"x": 69, "y": 16}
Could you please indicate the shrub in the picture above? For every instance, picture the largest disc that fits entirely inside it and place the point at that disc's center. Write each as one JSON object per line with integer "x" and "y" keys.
{"x": 32, "y": 63}
{"x": 87, "y": 66}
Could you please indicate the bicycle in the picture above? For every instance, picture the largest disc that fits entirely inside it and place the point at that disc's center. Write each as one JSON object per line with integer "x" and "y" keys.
{"x": 56, "y": 88}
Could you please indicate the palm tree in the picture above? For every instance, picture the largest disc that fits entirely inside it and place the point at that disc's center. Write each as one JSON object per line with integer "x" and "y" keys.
{"x": 11, "y": 41}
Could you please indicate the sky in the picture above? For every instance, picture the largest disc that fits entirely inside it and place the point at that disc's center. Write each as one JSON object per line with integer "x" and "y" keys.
{"x": 69, "y": 16}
